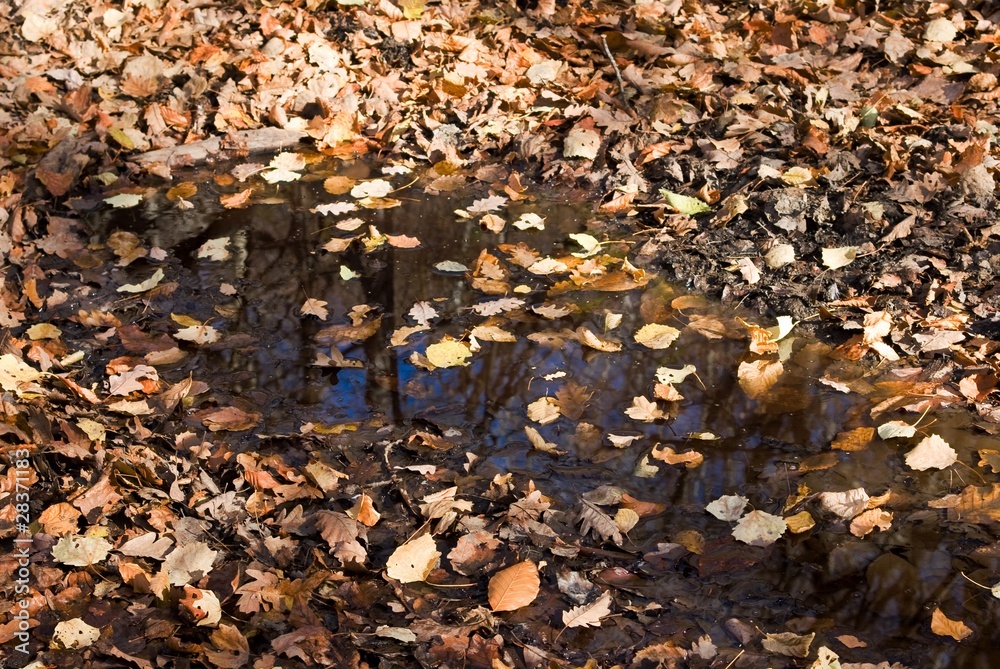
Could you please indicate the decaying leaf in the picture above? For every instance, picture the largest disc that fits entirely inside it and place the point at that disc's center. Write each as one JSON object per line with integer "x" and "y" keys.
{"x": 74, "y": 634}
{"x": 544, "y": 410}
{"x": 81, "y": 551}
{"x": 728, "y": 507}
{"x": 758, "y": 377}
{"x": 644, "y": 410}
{"x": 787, "y": 643}
{"x": 514, "y": 587}
{"x": 657, "y": 336}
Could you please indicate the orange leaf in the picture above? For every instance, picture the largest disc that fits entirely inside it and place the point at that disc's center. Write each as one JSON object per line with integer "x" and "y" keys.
{"x": 514, "y": 586}
{"x": 942, "y": 625}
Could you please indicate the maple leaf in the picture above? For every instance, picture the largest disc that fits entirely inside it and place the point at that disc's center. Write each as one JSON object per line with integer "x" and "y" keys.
{"x": 644, "y": 410}
{"x": 314, "y": 307}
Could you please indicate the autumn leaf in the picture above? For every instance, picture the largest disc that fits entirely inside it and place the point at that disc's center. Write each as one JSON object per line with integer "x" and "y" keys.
{"x": 588, "y": 615}
{"x": 759, "y": 528}
{"x": 942, "y": 625}
{"x": 933, "y": 452}
{"x": 448, "y": 353}
{"x": 81, "y": 551}
{"x": 644, "y": 410}
{"x": 514, "y": 587}
{"x": 758, "y": 377}
{"x": 544, "y": 410}
{"x": 728, "y": 507}
{"x": 414, "y": 560}
{"x": 314, "y": 307}
{"x": 787, "y": 643}
{"x": 657, "y": 336}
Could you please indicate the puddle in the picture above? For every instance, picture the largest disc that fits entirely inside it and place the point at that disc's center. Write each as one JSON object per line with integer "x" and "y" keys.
{"x": 880, "y": 589}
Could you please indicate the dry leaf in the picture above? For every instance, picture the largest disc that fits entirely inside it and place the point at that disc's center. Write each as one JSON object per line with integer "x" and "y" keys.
{"x": 759, "y": 528}
{"x": 787, "y": 643}
{"x": 942, "y": 625}
{"x": 514, "y": 587}
{"x": 544, "y": 410}
{"x": 449, "y": 353}
{"x": 644, "y": 410}
{"x": 758, "y": 377}
{"x": 728, "y": 507}
{"x": 588, "y": 615}
{"x": 932, "y": 452}
{"x": 414, "y": 560}
{"x": 657, "y": 336}
{"x": 314, "y": 307}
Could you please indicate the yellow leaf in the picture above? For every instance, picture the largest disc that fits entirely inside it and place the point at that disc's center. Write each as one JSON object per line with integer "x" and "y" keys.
{"x": 448, "y": 353}
{"x": 414, "y": 560}
{"x": 514, "y": 587}
{"x": 656, "y": 336}
{"x": 684, "y": 204}
{"x": 544, "y": 410}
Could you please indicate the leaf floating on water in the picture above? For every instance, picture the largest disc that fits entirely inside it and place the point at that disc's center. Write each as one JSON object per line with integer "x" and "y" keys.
{"x": 789, "y": 644}
{"x": 588, "y": 615}
{"x": 314, "y": 307}
{"x": 124, "y": 200}
{"x": 672, "y": 376}
{"x": 932, "y": 452}
{"x": 448, "y": 353}
{"x": 376, "y": 188}
{"x": 846, "y": 504}
{"x": 759, "y": 528}
{"x": 228, "y": 419}
{"x": 690, "y": 459}
{"x": 451, "y": 266}
{"x": 758, "y": 377}
{"x": 414, "y": 561}
{"x": 538, "y": 441}
{"x": 656, "y": 336}
{"x": 148, "y": 284}
{"x": 544, "y": 410}
{"x": 644, "y": 410}
{"x": 198, "y": 334}
{"x": 867, "y": 521}
{"x": 589, "y": 243}
{"x": 728, "y": 507}
{"x": 215, "y": 249}
{"x": 529, "y": 220}
{"x": 942, "y": 625}
{"x": 601, "y": 524}
{"x": 514, "y": 587}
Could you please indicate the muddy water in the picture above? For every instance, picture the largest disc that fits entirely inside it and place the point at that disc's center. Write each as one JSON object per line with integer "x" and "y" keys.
{"x": 880, "y": 589}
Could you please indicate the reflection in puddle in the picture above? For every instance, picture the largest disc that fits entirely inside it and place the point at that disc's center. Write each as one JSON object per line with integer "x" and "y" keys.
{"x": 880, "y": 588}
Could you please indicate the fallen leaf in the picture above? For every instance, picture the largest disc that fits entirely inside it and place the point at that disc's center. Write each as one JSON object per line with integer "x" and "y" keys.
{"x": 544, "y": 410}
{"x": 414, "y": 560}
{"x": 684, "y": 204}
{"x": 214, "y": 249}
{"x": 582, "y": 143}
{"x": 846, "y": 504}
{"x": 448, "y": 353}
{"x": 81, "y": 551}
{"x": 866, "y": 522}
{"x": 758, "y": 377}
{"x": 198, "y": 334}
{"x": 840, "y": 256}
{"x": 74, "y": 634}
{"x": 202, "y": 605}
{"x": 933, "y": 452}
{"x": 657, "y": 336}
{"x": 314, "y": 307}
{"x": 514, "y": 587}
{"x": 759, "y": 528}
{"x": 728, "y": 507}
{"x": 588, "y": 615}
{"x": 142, "y": 287}
{"x": 644, "y": 410}
{"x": 787, "y": 643}
{"x": 942, "y": 625}
{"x": 896, "y": 429}
{"x": 189, "y": 562}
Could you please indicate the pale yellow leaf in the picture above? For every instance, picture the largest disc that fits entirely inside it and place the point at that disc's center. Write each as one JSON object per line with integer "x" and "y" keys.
{"x": 656, "y": 336}
{"x": 449, "y": 353}
{"x": 414, "y": 560}
{"x": 932, "y": 452}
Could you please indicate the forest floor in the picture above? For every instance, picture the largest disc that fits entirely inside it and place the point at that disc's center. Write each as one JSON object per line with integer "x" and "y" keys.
{"x": 826, "y": 164}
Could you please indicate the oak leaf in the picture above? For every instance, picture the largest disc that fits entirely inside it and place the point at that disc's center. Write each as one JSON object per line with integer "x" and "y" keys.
{"x": 588, "y": 615}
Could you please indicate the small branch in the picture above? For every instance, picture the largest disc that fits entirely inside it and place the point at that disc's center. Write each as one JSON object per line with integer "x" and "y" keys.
{"x": 618, "y": 73}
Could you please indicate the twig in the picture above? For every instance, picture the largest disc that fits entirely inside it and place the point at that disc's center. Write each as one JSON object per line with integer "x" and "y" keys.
{"x": 618, "y": 73}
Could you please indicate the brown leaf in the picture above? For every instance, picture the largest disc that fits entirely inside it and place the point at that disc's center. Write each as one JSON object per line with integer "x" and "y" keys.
{"x": 758, "y": 377}
{"x": 229, "y": 419}
{"x": 514, "y": 587}
{"x": 236, "y": 200}
{"x": 853, "y": 440}
{"x": 232, "y": 650}
{"x": 942, "y": 625}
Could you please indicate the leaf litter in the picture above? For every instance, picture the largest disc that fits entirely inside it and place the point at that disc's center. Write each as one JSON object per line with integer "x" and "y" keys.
{"x": 853, "y": 194}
